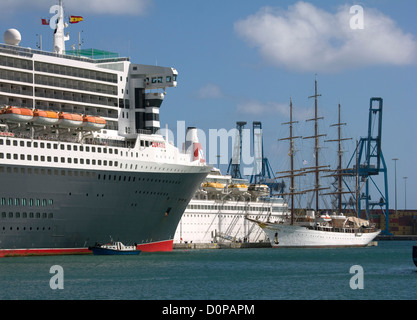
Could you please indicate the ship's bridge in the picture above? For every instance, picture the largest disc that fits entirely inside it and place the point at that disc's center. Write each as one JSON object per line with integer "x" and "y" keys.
{"x": 146, "y": 91}
{"x": 152, "y": 77}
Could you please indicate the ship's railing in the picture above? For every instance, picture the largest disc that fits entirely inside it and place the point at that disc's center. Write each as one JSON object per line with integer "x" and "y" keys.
{"x": 15, "y": 50}
{"x": 344, "y": 230}
{"x": 69, "y": 139}
{"x": 28, "y": 52}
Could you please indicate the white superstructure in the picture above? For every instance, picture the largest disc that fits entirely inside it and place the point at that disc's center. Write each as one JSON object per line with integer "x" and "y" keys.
{"x": 217, "y": 212}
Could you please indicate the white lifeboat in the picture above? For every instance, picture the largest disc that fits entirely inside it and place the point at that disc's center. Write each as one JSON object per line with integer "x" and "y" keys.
{"x": 70, "y": 120}
{"x": 325, "y": 217}
{"x": 238, "y": 188}
{"x": 16, "y": 115}
{"x": 213, "y": 187}
{"x": 92, "y": 123}
{"x": 45, "y": 118}
{"x": 258, "y": 190}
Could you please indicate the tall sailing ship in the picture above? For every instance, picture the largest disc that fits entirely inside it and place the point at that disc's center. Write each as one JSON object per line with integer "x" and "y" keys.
{"x": 81, "y": 156}
{"x": 315, "y": 229}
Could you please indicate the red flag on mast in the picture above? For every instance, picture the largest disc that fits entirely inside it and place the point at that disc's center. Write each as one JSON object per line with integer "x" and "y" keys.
{"x": 45, "y": 22}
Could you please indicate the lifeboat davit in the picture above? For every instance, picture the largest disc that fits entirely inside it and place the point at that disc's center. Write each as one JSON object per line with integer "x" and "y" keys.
{"x": 16, "y": 115}
{"x": 45, "y": 118}
{"x": 92, "y": 123}
{"x": 70, "y": 120}
{"x": 258, "y": 190}
{"x": 238, "y": 188}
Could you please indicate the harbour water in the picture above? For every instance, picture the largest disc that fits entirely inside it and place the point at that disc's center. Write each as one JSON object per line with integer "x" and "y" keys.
{"x": 225, "y": 274}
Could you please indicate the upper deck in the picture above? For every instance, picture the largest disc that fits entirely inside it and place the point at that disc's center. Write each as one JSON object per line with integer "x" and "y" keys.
{"x": 112, "y": 88}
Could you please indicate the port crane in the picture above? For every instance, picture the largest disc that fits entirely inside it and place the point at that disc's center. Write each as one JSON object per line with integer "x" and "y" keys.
{"x": 234, "y": 164}
{"x": 262, "y": 168}
{"x": 262, "y": 171}
{"x": 368, "y": 162}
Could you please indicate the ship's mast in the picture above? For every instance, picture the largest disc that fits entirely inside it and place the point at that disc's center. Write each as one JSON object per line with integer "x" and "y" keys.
{"x": 316, "y": 145}
{"x": 339, "y": 167}
{"x": 292, "y": 172}
{"x": 292, "y": 164}
{"x": 59, "y": 33}
{"x": 340, "y": 173}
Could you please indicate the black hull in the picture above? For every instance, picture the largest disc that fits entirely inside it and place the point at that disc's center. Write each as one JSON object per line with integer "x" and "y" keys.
{"x": 68, "y": 208}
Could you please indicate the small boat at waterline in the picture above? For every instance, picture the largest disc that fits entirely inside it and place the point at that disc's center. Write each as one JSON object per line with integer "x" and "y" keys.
{"x": 114, "y": 248}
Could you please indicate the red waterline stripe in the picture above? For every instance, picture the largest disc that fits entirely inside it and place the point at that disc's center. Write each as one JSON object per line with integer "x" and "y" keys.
{"x": 161, "y": 246}
{"x": 42, "y": 252}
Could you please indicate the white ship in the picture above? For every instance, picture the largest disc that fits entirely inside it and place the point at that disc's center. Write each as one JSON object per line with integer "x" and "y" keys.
{"x": 81, "y": 156}
{"x": 318, "y": 232}
{"x": 217, "y": 212}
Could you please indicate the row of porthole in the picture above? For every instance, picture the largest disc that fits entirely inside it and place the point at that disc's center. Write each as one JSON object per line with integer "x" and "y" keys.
{"x": 49, "y": 172}
{"x": 226, "y": 207}
{"x": 136, "y": 192}
{"x": 152, "y": 193}
{"x": 43, "y": 158}
{"x": 25, "y": 215}
{"x": 81, "y": 161}
{"x": 81, "y": 173}
{"x": 30, "y": 228}
{"x": 25, "y": 202}
{"x": 54, "y": 145}
{"x": 133, "y": 179}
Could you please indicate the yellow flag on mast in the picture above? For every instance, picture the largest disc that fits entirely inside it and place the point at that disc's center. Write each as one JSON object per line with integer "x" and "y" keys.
{"x": 75, "y": 19}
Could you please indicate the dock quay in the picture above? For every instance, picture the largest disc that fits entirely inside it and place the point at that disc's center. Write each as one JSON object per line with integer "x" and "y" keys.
{"x": 396, "y": 237}
{"x": 254, "y": 245}
{"x": 222, "y": 245}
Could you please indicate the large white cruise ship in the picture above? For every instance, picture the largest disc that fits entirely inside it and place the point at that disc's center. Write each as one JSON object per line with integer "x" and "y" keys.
{"x": 81, "y": 157}
{"x": 220, "y": 211}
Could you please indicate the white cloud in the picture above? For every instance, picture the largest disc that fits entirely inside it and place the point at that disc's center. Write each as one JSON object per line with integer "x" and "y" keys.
{"x": 130, "y": 7}
{"x": 210, "y": 91}
{"x": 307, "y": 38}
{"x": 257, "y": 108}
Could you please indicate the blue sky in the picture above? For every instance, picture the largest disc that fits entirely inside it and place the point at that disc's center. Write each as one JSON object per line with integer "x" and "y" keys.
{"x": 242, "y": 60}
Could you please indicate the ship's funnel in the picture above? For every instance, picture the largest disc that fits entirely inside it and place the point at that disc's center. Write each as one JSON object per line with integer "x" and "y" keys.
{"x": 192, "y": 146}
{"x": 191, "y": 134}
{"x": 190, "y": 138}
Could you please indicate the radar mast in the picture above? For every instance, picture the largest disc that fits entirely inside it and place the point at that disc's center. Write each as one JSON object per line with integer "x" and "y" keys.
{"x": 60, "y": 25}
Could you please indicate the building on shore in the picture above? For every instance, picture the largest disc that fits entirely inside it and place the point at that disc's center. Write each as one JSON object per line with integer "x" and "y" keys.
{"x": 404, "y": 222}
